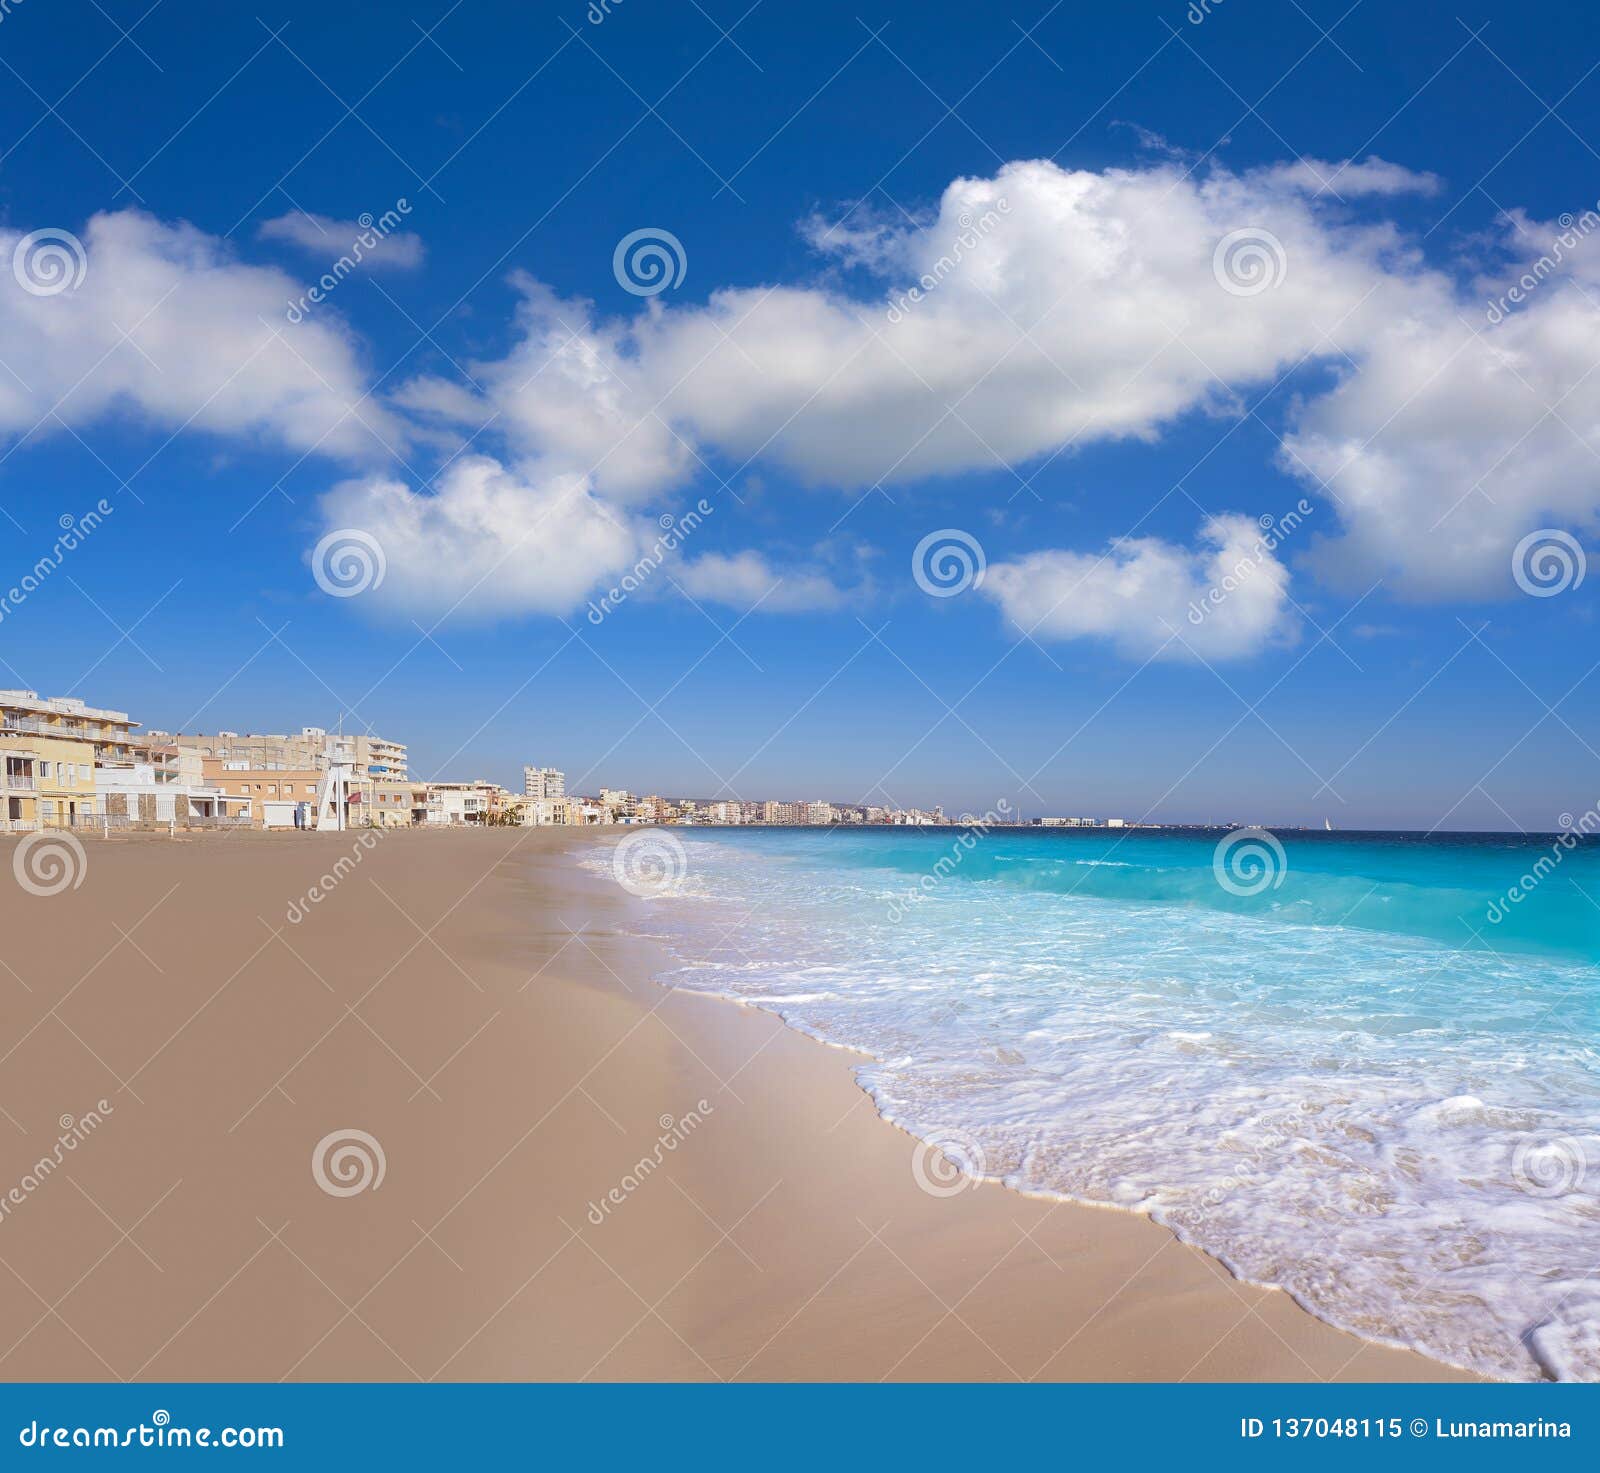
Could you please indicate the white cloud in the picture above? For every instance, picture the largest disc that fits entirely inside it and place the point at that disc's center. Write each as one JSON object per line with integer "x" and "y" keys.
{"x": 1223, "y": 600}
{"x": 488, "y": 542}
{"x": 325, "y": 239}
{"x": 168, "y": 324}
{"x": 568, "y": 396}
{"x": 747, "y": 581}
{"x": 1457, "y": 436}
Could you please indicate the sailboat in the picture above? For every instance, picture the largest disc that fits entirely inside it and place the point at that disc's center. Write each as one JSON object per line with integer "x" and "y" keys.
{"x": 1327, "y": 825}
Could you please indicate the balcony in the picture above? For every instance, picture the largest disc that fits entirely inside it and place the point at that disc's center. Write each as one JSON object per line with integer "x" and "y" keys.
{"x": 22, "y": 780}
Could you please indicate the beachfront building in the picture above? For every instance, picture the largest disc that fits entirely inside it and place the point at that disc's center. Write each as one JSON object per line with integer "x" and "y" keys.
{"x": 620, "y": 805}
{"x": 388, "y": 803}
{"x": 464, "y": 803}
{"x": 281, "y": 797}
{"x": 49, "y": 749}
{"x": 135, "y": 792}
{"x": 538, "y": 812}
{"x": 543, "y": 782}
{"x": 312, "y": 747}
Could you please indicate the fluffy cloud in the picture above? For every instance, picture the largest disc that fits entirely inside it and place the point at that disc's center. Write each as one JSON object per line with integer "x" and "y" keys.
{"x": 746, "y": 580}
{"x": 166, "y": 323}
{"x": 1040, "y": 308}
{"x": 1153, "y": 599}
{"x": 326, "y": 239}
{"x": 488, "y": 541}
{"x": 568, "y": 396}
{"x": 1460, "y": 433}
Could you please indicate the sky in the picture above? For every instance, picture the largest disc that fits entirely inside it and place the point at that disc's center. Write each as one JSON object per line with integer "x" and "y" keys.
{"x": 1167, "y": 413}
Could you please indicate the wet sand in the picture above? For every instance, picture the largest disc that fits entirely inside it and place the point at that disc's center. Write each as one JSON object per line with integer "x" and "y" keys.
{"x": 583, "y": 1174}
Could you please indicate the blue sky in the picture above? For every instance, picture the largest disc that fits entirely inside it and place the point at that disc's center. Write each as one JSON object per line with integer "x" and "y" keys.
{"x": 1091, "y": 376}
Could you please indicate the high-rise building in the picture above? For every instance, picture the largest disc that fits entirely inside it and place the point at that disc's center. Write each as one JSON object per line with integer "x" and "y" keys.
{"x": 543, "y": 783}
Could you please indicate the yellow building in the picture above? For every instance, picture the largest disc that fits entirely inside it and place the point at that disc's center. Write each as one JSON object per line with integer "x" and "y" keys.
{"x": 48, "y": 751}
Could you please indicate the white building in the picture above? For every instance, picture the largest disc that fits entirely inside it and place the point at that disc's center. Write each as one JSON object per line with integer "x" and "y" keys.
{"x": 543, "y": 782}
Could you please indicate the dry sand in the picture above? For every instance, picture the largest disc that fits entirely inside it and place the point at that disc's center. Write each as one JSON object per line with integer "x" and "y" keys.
{"x": 466, "y": 998}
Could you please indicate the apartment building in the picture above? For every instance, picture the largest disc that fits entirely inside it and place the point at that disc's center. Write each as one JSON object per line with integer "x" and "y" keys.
{"x": 281, "y": 797}
{"x": 385, "y": 803}
{"x": 543, "y": 783}
{"x": 312, "y": 747}
{"x": 461, "y": 803}
{"x": 49, "y": 750}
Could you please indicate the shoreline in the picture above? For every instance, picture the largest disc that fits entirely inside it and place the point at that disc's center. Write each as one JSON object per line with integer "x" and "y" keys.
{"x": 473, "y": 1002}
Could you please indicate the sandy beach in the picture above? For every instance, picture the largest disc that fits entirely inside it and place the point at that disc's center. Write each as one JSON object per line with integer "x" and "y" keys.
{"x": 197, "y": 1016}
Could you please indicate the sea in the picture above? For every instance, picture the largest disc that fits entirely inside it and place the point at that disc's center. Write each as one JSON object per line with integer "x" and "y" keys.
{"x": 1360, "y": 1067}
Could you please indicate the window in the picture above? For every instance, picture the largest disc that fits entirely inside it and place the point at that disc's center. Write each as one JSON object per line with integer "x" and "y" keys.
{"x": 83, "y": 772}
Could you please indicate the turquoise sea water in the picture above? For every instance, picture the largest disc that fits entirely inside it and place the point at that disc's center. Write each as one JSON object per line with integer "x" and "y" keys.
{"x": 1362, "y": 1067}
